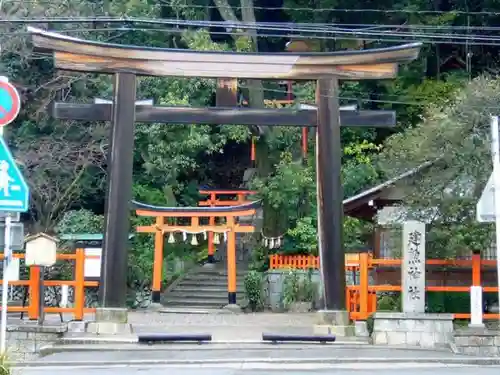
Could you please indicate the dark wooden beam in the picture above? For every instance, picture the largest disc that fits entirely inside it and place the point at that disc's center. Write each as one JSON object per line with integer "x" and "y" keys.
{"x": 223, "y": 116}
{"x": 114, "y": 267}
{"x": 329, "y": 187}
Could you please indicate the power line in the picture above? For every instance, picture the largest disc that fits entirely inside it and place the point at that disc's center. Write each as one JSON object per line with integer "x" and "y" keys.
{"x": 330, "y": 25}
{"x": 272, "y": 26}
{"x": 389, "y": 38}
{"x": 339, "y": 10}
{"x": 492, "y": 12}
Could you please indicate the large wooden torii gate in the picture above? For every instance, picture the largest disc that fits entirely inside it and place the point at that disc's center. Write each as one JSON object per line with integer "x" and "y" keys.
{"x": 125, "y": 62}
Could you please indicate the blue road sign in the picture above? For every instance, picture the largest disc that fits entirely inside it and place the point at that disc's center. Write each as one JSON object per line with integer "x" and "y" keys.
{"x": 14, "y": 191}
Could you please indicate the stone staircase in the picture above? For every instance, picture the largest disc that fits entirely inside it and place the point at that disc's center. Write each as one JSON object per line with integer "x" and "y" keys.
{"x": 203, "y": 288}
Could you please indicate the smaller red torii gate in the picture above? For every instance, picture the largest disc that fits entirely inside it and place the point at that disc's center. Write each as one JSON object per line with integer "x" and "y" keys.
{"x": 222, "y": 198}
{"x": 229, "y": 228}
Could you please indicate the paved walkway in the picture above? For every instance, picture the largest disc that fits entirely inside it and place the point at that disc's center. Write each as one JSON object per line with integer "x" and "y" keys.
{"x": 223, "y": 327}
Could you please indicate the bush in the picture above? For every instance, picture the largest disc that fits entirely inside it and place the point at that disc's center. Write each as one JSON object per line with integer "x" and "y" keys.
{"x": 297, "y": 288}
{"x": 253, "y": 290}
{"x": 389, "y": 302}
{"x": 5, "y": 367}
{"x": 259, "y": 259}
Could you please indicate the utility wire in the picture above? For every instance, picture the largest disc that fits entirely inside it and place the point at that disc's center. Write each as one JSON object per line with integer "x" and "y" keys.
{"x": 270, "y": 26}
{"x": 492, "y": 12}
{"x": 492, "y": 41}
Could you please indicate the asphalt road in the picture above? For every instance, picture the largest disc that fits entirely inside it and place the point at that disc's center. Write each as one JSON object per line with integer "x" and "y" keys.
{"x": 367, "y": 369}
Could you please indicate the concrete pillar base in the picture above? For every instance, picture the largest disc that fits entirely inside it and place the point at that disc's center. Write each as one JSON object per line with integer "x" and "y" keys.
{"x": 233, "y": 308}
{"x": 110, "y": 321}
{"x": 111, "y": 314}
{"x": 155, "y": 306}
{"x": 332, "y": 322}
{"x": 361, "y": 329}
{"x": 209, "y": 265}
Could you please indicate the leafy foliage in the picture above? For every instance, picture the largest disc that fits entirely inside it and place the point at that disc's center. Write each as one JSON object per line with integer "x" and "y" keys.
{"x": 253, "y": 290}
{"x": 456, "y": 139}
{"x": 5, "y": 365}
{"x": 298, "y": 287}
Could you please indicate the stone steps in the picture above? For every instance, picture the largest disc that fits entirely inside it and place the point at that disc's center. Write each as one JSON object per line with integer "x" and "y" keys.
{"x": 208, "y": 284}
{"x": 214, "y": 295}
{"x": 196, "y": 303}
{"x": 200, "y": 290}
{"x": 204, "y": 288}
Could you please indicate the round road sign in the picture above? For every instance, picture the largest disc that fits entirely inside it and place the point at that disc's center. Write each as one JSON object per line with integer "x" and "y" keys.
{"x": 10, "y": 103}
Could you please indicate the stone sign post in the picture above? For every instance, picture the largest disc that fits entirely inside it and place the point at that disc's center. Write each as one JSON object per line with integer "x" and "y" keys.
{"x": 413, "y": 326}
{"x": 413, "y": 267}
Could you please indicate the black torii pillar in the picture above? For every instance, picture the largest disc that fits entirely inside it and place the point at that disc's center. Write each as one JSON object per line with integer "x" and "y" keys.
{"x": 113, "y": 288}
{"x": 330, "y": 194}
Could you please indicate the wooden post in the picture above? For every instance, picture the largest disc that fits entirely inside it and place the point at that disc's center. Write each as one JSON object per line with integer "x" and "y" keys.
{"x": 211, "y": 247}
{"x": 363, "y": 285}
{"x": 476, "y": 293}
{"x": 113, "y": 286}
{"x": 34, "y": 293}
{"x": 158, "y": 261}
{"x": 476, "y": 269}
{"x": 79, "y": 283}
{"x": 231, "y": 262}
{"x": 330, "y": 195}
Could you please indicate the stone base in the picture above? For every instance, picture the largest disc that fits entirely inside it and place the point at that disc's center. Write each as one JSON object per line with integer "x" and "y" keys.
{"x": 478, "y": 341}
{"x": 108, "y": 328}
{"x": 331, "y": 322}
{"x": 361, "y": 329}
{"x": 232, "y": 307}
{"x": 109, "y": 321}
{"x": 413, "y": 329}
{"x": 111, "y": 314}
{"x": 209, "y": 265}
{"x": 155, "y": 306}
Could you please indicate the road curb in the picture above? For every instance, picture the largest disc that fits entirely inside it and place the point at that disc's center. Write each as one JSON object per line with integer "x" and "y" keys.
{"x": 83, "y": 345}
{"x": 483, "y": 361}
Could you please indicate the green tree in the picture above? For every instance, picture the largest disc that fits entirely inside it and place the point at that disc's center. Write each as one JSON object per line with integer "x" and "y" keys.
{"x": 455, "y": 138}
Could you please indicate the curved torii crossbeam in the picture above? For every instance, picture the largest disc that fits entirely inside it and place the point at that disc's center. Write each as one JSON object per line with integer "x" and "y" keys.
{"x": 125, "y": 62}
{"x": 88, "y": 56}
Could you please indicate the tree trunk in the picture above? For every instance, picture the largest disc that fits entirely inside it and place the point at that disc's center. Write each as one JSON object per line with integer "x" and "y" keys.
{"x": 275, "y": 222}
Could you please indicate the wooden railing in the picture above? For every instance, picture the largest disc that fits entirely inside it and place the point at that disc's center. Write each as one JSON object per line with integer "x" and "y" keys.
{"x": 361, "y": 298}
{"x": 224, "y": 198}
{"x": 78, "y": 283}
{"x": 304, "y": 262}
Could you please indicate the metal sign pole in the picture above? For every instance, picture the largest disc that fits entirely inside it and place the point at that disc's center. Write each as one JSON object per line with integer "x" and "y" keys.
{"x": 496, "y": 183}
{"x": 5, "y": 281}
{"x": 14, "y": 192}
{"x": 5, "y": 284}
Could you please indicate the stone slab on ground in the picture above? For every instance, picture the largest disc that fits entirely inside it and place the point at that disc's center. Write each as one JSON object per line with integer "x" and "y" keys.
{"x": 181, "y": 310}
{"x": 330, "y": 352}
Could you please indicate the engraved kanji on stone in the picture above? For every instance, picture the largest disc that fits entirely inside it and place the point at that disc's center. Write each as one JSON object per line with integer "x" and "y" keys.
{"x": 414, "y": 292}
